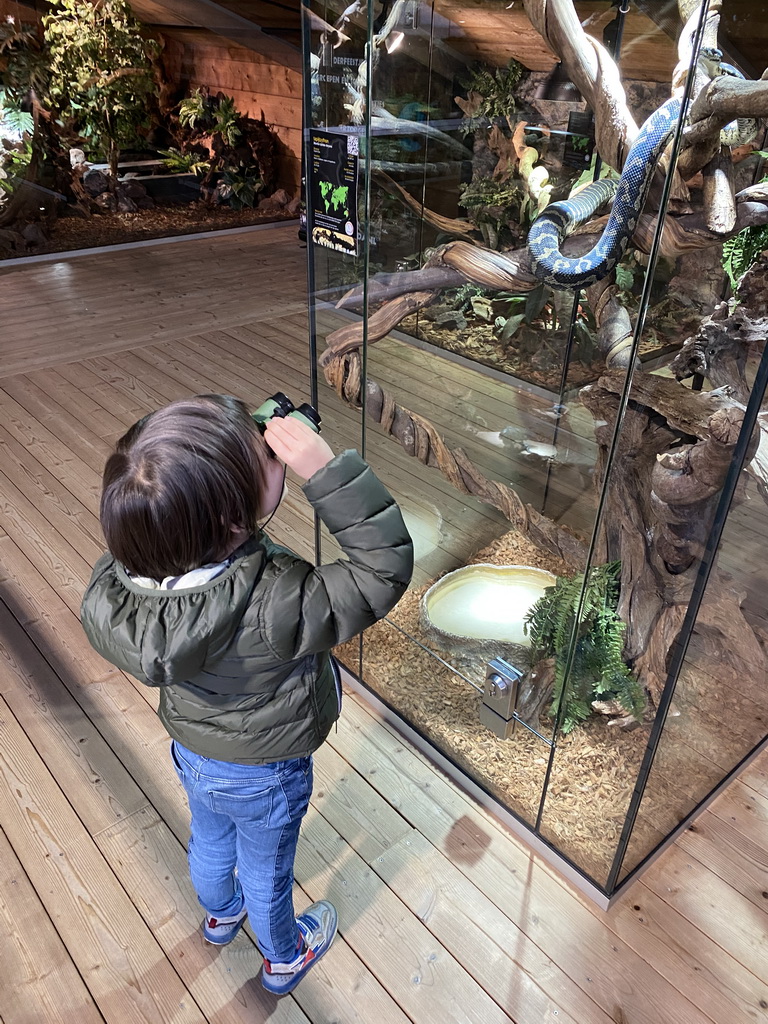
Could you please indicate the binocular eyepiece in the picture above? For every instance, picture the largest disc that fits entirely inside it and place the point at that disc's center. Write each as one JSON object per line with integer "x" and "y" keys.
{"x": 281, "y": 406}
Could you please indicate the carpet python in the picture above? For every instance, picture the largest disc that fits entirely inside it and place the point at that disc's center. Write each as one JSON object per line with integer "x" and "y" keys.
{"x": 628, "y": 194}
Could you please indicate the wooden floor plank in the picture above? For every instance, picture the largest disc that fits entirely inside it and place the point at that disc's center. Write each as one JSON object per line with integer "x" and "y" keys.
{"x": 126, "y": 972}
{"x": 738, "y": 855}
{"x": 40, "y": 984}
{"x": 727, "y": 991}
{"x": 147, "y": 298}
{"x": 516, "y": 882}
{"x": 59, "y": 562}
{"x": 65, "y": 513}
{"x": 413, "y": 966}
{"x": 98, "y": 787}
{"x": 515, "y": 972}
{"x": 51, "y": 452}
{"x": 713, "y": 906}
{"x": 755, "y": 776}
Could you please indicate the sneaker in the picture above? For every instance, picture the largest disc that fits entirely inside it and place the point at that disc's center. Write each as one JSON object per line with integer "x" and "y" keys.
{"x": 221, "y": 930}
{"x": 317, "y": 928}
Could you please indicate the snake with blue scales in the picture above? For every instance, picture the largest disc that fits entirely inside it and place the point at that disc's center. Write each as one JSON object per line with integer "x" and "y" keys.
{"x": 628, "y": 194}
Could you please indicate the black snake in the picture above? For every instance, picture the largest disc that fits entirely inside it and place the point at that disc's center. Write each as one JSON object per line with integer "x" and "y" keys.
{"x": 628, "y": 194}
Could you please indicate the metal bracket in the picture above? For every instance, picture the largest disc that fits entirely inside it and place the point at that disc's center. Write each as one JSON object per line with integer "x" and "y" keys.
{"x": 497, "y": 712}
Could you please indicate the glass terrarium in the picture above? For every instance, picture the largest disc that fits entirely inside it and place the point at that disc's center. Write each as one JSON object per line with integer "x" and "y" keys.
{"x": 570, "y": 415}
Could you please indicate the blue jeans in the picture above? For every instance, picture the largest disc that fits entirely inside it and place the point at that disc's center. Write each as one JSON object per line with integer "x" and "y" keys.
{"x": 247, "y": 816}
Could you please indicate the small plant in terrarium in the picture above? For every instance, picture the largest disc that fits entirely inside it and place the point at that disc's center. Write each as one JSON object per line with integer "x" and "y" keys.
{"x": 14, "y": 160}
{"x": 742, "y": 251}
{"x": 598, "y": 670}
{"x": 240, "y": 187}
{"x": 184, "y": 163}
{"x": 491, "y": 93}
{"x": 493, "y": 206}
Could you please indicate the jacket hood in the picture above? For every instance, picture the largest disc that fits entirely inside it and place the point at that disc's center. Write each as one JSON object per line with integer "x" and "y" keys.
{"x": 168, "y": 636}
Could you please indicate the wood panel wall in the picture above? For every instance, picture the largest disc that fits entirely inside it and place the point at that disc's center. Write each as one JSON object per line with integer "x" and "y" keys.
{"x": 12, "y": 9}
{"x": 260, "y": 85}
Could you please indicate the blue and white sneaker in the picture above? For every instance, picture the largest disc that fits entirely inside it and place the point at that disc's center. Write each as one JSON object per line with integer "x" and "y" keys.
{"x": 317, "y": 927}
{"x": 221, "y": 930}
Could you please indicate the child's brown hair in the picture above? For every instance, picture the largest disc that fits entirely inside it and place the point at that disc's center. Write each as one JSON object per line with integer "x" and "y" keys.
{"x": 177, "y": 482}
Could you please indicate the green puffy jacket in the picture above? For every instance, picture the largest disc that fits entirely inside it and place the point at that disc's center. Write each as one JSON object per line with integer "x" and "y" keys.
{"x": 242, "y": 661}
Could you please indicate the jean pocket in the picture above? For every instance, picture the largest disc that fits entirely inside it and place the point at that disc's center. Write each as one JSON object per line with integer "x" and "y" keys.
{"x": 256, "y": 803}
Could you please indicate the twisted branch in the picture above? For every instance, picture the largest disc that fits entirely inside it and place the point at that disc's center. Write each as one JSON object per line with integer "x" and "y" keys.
{"x": 420, "y": 438}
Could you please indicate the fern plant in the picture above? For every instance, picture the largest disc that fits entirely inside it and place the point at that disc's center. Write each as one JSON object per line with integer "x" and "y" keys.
{"x": 184, "y": 163}
{"x": 210, "y": 115}
{"x": 225, "y": 117}
{"x": 598, "y": 671}
{"x": 497, "y": 88}
{"x": 194, "y": 110}
{"x": 741, "y": 251}
{"x": 14, "y": 122}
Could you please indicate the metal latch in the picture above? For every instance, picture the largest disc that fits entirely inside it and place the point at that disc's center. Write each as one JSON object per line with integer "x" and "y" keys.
{"x": 500, "y": 697}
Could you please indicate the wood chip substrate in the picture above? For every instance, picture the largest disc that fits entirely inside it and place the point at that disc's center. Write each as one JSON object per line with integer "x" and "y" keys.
{"x": 595, "y": 767}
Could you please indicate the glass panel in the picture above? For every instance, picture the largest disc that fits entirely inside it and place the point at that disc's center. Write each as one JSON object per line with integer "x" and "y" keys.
{"x": 488, "y": 410}
{"x": 719, "y": 708}
{"x": 336, "y": 137}
{"x": 490, "y": 366}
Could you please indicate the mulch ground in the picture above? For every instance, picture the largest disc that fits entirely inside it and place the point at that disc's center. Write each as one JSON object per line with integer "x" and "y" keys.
{"x": 71, "y": 233}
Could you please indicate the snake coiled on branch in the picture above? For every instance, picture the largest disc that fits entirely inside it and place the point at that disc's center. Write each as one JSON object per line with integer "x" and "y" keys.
{"x": 628, "y": 194}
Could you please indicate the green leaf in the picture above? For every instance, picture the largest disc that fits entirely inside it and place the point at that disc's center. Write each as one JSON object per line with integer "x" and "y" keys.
{"x": 535, "y": 302}
{"x": 624, "y": 278}
{"x": 512, "y": 326}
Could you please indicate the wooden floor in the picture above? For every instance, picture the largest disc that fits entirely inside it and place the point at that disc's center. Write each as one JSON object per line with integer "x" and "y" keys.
{"x": 444, "y": 917}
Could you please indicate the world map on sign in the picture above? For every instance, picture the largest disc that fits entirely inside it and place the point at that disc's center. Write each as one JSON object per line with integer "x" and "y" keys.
{"x": 335, "y": 197}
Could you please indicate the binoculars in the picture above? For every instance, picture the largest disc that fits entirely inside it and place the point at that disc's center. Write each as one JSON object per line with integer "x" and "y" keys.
{"x": 281, "y": 406}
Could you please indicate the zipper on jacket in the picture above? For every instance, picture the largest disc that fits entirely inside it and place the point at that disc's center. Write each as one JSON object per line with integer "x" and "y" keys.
{"x": 337, "y": 683}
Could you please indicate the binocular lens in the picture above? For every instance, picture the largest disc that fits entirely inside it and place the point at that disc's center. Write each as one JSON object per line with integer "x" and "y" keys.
{"x": 310, "y": 412}
{"x": 281, "y": 406}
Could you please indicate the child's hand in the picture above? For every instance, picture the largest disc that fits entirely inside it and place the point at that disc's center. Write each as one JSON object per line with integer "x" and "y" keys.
{"x": 299, "y": 447}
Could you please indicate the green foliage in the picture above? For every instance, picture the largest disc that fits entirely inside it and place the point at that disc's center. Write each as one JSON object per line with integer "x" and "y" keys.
{"x": 23, "y": 62}
{"x": 741, "y": 251}
{"x": 240, "y": 187}
{"x": 492, "y": 206}
{"x": 100, "y": 71}
{"x": 204, "y": 114}
{"x": 14, "y": 121}
{"x": 598, "y": 670}
{"x": 463, "y": 296}
{"x": 14, "y": 160}
{"x": 497, "y": 87}
{"x": 225, "y": 120}
{"x": 588, "y": 175}
{"x": 184, "y": 163}
{"x": 194, "y": 111}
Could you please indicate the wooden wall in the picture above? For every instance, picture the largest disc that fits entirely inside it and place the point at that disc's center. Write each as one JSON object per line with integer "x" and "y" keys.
{"x": 260, "y": 85}
{"x": 11, "y": 9}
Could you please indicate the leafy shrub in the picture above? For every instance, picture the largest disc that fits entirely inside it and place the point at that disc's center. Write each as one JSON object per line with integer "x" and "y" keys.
{"x": 240, "y": 188}
{"x": 598, "y": 670}
{"x": 184, "y": 163}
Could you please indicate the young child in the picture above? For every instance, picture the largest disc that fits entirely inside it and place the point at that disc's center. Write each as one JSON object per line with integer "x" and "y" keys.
{"x": 235, "y": 631}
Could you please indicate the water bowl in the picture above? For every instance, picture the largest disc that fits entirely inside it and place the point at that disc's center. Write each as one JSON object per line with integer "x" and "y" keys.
{"x": 478, "y": 610}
